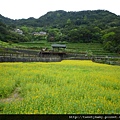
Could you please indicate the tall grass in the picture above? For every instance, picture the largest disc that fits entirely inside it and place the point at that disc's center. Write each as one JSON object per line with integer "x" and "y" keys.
{"x": 65, "y": 87}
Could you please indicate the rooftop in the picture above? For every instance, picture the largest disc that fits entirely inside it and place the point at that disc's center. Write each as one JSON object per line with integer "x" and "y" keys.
{"x": 58, "y": 46}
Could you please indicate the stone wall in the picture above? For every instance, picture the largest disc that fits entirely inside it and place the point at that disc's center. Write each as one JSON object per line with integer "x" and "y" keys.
{"x": 36, "y": 59}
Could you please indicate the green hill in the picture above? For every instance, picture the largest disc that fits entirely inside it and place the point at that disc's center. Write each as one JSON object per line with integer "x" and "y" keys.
{"x": 97, "y": 26}
{"x": 60, "y": 18}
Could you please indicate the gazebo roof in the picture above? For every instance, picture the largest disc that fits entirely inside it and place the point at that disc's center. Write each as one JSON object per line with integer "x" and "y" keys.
{"x": 58, "y": 46}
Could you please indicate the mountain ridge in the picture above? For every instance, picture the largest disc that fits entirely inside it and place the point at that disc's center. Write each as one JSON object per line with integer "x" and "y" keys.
{"x": 57, "y": 16}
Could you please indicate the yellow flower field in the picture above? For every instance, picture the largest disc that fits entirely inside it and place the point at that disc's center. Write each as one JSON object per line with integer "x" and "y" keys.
{"x": 67, "y": 87}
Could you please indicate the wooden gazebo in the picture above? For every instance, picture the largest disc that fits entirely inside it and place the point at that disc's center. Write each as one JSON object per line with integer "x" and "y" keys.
{"x": 54, "y": 52}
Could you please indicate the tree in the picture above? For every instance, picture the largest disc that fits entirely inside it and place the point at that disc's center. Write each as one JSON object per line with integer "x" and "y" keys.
{"x": 111, "y": 40}
{"x": 86, "y": 34}
{"x": 108, "y": 37}
{"x": 54, "y": 35}
{"x": 73, "y": 35}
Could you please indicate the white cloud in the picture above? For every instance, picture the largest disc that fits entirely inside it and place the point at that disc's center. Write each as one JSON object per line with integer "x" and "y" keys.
{"x": 17, "y": 9}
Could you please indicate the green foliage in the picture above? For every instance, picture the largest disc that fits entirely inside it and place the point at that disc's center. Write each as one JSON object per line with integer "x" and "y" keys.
{"x": 111, "y": 40}
{"x": 108, "y": 36}
{"x": 7, "y": 35}
{"x": 54, "y": 34}
{"x": 97, "y": 26}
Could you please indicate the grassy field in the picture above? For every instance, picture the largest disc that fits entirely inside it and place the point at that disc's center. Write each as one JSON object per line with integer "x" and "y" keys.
{"x": 89, "y": 48}
{"x": 94, "y": 48}
{"x": 59, "y": 87}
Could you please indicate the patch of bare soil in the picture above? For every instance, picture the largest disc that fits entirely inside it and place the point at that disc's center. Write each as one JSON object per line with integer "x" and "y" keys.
{"x": 13, "y": 97}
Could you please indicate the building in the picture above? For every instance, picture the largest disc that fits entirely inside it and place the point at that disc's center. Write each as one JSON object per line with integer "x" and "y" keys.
{"x": 58, "y": 46}
{"x": 40, "y": 33}
{"x": 19, "y": 31}
{"x": 55, "y": 52}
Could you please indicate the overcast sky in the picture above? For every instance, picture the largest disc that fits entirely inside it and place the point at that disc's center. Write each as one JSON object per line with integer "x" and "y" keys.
{"x": 18, "y": 9}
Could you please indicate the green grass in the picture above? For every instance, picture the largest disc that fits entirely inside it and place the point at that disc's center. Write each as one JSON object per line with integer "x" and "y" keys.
{"x": 35, "y": 44}
{"x": 94, "y": 48}
{"x": 65, "y": 87}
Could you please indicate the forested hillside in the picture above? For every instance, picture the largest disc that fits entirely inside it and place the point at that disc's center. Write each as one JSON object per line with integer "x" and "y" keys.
{"x": 8, "y": 34}
{"x": 85, "y": 26}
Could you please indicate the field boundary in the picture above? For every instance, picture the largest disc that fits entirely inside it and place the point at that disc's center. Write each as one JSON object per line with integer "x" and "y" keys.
{"x": 25, "y": 55}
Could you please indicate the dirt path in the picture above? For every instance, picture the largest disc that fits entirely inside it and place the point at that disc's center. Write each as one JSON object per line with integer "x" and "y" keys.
{"x": 13, "y": 97}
